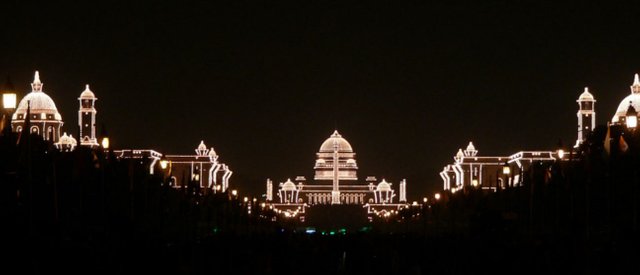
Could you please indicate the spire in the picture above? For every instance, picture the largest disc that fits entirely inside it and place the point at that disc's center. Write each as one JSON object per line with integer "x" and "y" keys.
{"x": 336, "y": 134}
{"x": 635, "y": 88}
{"x": 36, "y": 86}
{"x": 86, "y": 88}
{"x": 36, "y": 78}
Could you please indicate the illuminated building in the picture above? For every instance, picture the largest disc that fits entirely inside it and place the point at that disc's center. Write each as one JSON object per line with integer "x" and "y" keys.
{"x": 586, "y": 115}
{"x": 66, "y": 143}
{"x": 335, "y": 182}
{"x": 202, "y": 168}
{"x": 632, "y": 100}
{"x": 46, "y": 121}
{"x": 87, "y": 118}
{"x": 472, "y": 171}
{"x": 469, "y": 170}
{"x": 44, "y": 117}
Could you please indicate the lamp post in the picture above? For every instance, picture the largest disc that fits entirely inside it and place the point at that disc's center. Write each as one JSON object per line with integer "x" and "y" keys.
{"x": 9, "y": 104}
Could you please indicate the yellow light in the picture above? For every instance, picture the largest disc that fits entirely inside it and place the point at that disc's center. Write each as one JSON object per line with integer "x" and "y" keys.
{"x": 105, "y": 143}
{"x": 437, "y": 196}
{"x": 415, "y": 203}
{"x": 234, "y": 192}
{"x": 560, "y": 153}
{"x": 506, "y": 170}
{"x": 218, "y": 187}
{"x": 9, "y": 101}
{"x": 263, "y": 205}
{"x": 632, "y": 122}
{"x": 246, "y": 199}
{"x": 424, "y": 200}
{"x": 163, "y": 164}
{"x": 474, "y": 182}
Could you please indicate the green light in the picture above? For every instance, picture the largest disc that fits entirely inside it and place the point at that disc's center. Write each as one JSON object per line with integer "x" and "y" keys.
{"x": 332, "y": 233}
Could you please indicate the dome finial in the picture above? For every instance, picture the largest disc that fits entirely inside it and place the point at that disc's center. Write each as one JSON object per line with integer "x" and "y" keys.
{"x": 36, "y": 77}
{"x": 86, "y": 88}
{"x": 635, "y": 88}
{"x": 36, "y": 86}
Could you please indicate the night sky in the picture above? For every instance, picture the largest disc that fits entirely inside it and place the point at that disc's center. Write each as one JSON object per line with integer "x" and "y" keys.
{"x": 265, "y": 84}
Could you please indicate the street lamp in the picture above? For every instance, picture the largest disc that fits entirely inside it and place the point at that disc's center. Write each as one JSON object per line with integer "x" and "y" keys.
{"x": 105, "y": 143}
{"x": 164, "y": 163}
{"x": 437, "y": 196}
{"x": 234, "y": 192}
{"x": 560, "y": 153}
{"x": 9, "y": 101}
{"x": 632, "y": 117}
{"x": 9, "y": 104}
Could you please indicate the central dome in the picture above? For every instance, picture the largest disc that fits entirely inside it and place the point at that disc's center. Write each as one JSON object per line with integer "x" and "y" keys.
{"x": 343, "y": 144}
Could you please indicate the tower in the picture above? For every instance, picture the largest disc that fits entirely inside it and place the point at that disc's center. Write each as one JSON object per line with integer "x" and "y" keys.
{"x": 87, "y": 118}
{"x": 586, "y": 115}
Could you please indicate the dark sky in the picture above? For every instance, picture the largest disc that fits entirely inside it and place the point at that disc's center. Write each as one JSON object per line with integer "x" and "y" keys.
{"x": 266, "y": 83}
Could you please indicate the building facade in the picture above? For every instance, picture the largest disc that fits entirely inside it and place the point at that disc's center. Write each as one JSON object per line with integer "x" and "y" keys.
{"x": 335, "y": 182}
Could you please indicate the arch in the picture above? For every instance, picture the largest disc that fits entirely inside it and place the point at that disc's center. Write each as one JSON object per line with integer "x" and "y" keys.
{"x": 34, "y": 129}
{"x": 50, "y": 133}
{"x": 19, "y": 129}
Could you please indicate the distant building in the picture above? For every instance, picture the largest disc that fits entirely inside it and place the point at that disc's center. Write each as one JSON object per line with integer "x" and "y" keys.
{"x": 486, "y": 172}
{"x": 469, "y": 170}
{"x": 335, "y": 182}
{"x": 202, "y": 167}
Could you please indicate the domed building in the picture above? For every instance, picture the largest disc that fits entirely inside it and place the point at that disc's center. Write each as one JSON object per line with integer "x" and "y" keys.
{"x": 44, "y": 118}
{"x": 336, "y": 149}
{"x": 631, "y": 100}
{"x": 335, "y": 182}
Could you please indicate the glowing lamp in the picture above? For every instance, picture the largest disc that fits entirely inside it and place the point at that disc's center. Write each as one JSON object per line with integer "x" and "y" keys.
{"x": 196, "y": 177}
{"x": 437, "y": 196}
{"x": 234, "y": 192}
{"x": 632, "y": 117}
{"x": 474, "y": 182}
{"x": 561, "y": 153}
{"x": 246, "y": 199}
{"x": 105, "y": 143}
{"x": 424, "y": 200}
{"x": 163, "y": 164}
{"x": 9, "y": 100}
{"x": 506, "y": 170}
